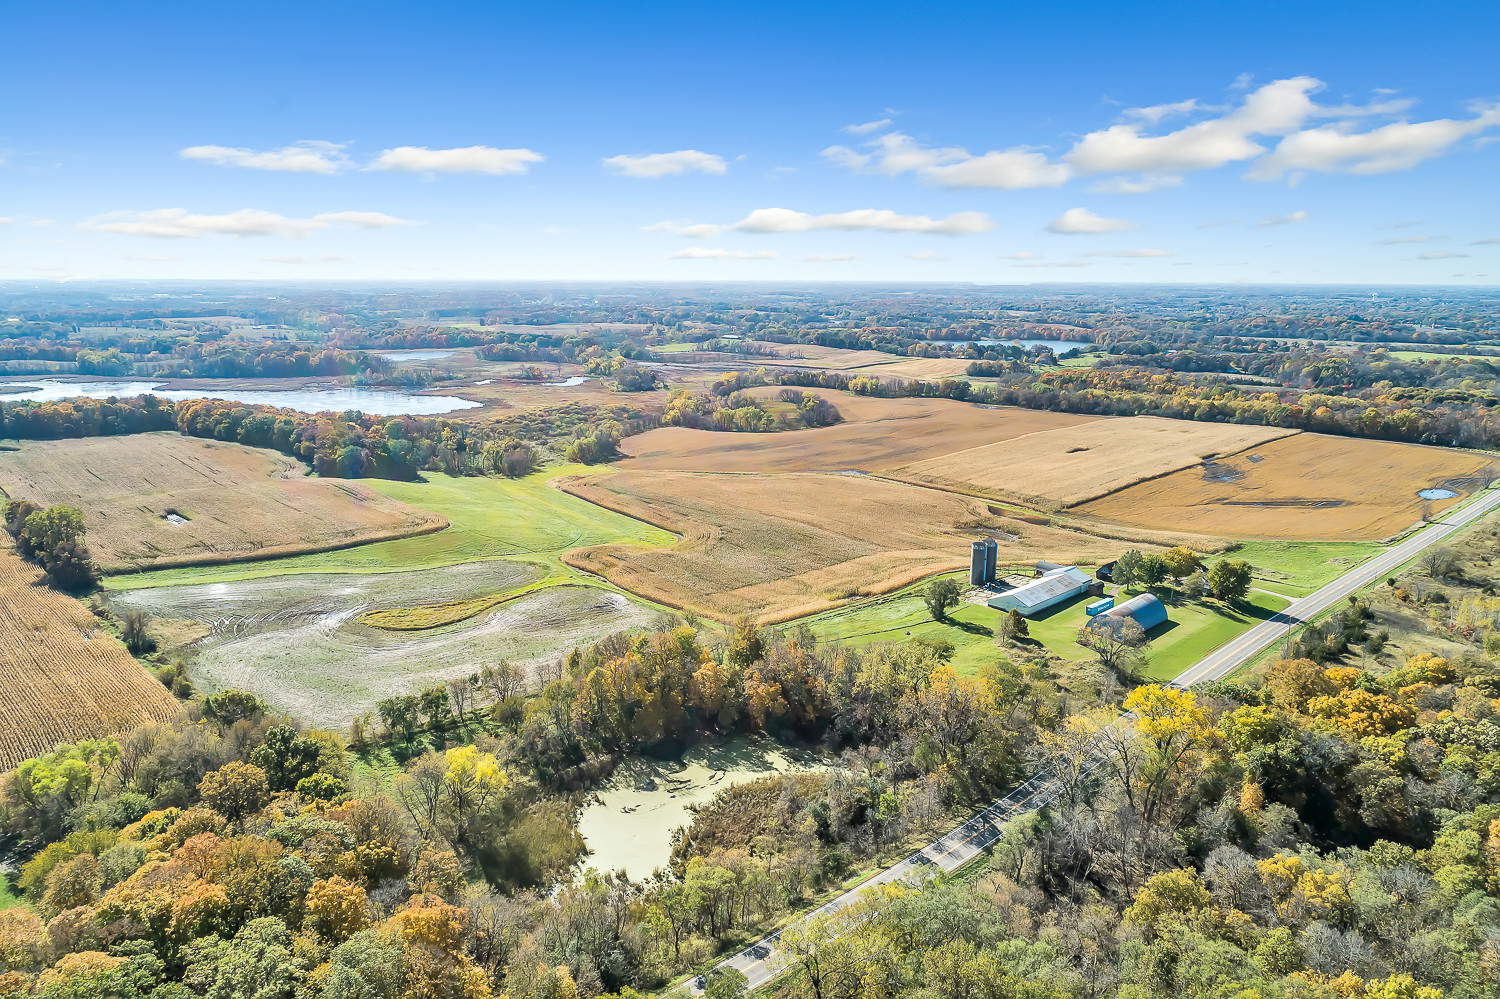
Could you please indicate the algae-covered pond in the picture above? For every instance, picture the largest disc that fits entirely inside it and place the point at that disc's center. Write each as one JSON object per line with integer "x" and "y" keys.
{"x": 630, "y": 821}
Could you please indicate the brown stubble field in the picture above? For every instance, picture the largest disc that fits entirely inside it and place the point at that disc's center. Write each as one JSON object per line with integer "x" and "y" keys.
{"x": 875, "y": 435}
{"x": 778, "y": 547}
{"x": 1306, "y": 487}
{"x": 1053, "y": 469}
{"x": 61, "y": 677}
{"x": 240, "y": 502}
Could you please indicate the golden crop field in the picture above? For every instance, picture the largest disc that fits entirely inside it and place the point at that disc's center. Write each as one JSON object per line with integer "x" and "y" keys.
{"x": 1306, "y": 486}
{"x": 61, "y": 678}
{"x": 777, "y": 547}
{"x": 876, "y": 434}
{"x": 867, "y": 362}
{"x": 1059, "y": 468}
{"x": 238, "y": 502}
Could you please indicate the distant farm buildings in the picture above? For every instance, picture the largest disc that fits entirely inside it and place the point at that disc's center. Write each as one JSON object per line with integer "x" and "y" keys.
{"x": 1048, "y": 590}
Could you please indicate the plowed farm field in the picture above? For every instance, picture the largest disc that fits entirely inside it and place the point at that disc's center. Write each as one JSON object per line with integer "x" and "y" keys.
{"x": 151, "y": 501}
{"x": 776, "y": 547}
{"x": 1062, "y": 467}
{"x": 61, "y": 678}
{"x": 1306, "y": 486}
{"x": 875, "y": 435}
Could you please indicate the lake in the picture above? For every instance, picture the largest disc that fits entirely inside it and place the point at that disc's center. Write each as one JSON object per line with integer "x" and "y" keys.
{"x": 379, "y": 402}
{"x": 630, "y": 821}
{"x": 1057, "y": 346}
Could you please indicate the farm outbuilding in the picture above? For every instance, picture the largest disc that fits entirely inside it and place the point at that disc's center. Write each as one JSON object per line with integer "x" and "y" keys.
{"x": 1058, "y": 584}
{"x": 1146, "y": 610}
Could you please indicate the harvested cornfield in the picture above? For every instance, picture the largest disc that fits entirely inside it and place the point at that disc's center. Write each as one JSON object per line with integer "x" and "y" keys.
{"x": 876, "y": 434}
{"x": 156, "y": 500}
{"x": 868, "y": 362}
{"x": 777, "y": 547}
{"x": 1060, "y": 468}
{"x": 61, "y": 678}
{"x": 1307, "y": 486}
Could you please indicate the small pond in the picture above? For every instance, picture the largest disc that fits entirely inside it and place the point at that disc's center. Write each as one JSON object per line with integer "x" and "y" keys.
{"x": 414, "y": 355}
{"x": 1436, "y": 494}
{"x": 630, "y": 820}
{"x": 570, "y": 381}
{"x": 379, "y": 402}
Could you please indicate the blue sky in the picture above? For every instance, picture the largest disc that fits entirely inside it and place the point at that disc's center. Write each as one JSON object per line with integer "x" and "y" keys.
{"x": 996, "y": 143}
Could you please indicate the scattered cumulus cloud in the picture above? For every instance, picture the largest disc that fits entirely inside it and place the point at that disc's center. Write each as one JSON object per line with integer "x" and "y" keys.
{"x": 308, "y": 156}
{"x": 867, "y": 127}
{"x": 1277, "y": 130}
{"x": 466, "y": 159}
{"x": 179, "y": 223}
{"x": 780, "y": 220}
{"x": 691, "y": 230}
{"x": 1128, "y": 253}
{"x": 1401, "y": 145}
{"x": 326, "y": 258}
{"x": 1135, "y": 185}
{"x": 1060, "y": 263}
{"x": 1408, "y": 239}
{"x": 925, "y": 255}
{"x": 830, "y": 258}
{"x": 705, "y": 253}
{"x": 1020, "y": 255}
{"x": 1441, "y": 255}
{"x": 1081, "y": 221}
{"x": 1291, "y": 219}
{"x": 1483, "y": 242}
{"x": 654, "y": 165}
{"x": 894, "y": 153}
{"x": 6, "y": 221}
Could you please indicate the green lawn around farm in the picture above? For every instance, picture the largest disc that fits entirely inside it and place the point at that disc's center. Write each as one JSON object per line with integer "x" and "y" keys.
{"x": 674, "y": 348}
{"x": 1297, "y": 568}
{"x": 490, "y": 518}
{"x": 1193, "y": 629}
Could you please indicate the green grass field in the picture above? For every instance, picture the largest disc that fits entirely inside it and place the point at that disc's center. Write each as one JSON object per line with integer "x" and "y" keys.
{"x": 1193, "y": 631}
{"x": 1431, "y": 355}
{"x": 1297, "y": 568}
{"x": 674, "y": 348}
{"x": 523, "y": 519}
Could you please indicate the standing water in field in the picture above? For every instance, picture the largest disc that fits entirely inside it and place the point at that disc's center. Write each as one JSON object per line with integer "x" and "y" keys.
{"x": 630, "y": 821}
{"x": 313, "y": 399}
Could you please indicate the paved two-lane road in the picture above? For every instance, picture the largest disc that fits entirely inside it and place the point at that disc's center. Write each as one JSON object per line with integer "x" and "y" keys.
{"x": 760, "y": 962}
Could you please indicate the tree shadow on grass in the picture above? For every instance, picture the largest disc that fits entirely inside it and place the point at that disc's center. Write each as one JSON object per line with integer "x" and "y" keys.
{"x": 970, "y": 627}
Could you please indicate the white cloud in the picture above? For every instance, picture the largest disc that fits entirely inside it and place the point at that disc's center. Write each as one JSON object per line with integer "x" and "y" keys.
{"x": 653, "y": 165}
{"x": 1011, "y": 169}
{"x": 1082, "y": 221}
{"x": 6, "y": 221}
{"x": 1275, "y": 109}
{"x": 925, "y": 255}
{"x": 1408, "y": 239}
{"x": 1022, "y": 255}
{"x": 309, "y": 156}
{"x": 1291, "y": 219}
{"x": 1484, "y": 242}
{"x": 1401, "y": 145}
{"x": 689, "y": 229}
{"x": 830, "y": 258}
{"x": 178, "y": 223}
{"x": 1060, "y": 263}
{"x": 1128, "y": 253}
{"x": 1155, "y": 113}
{"x": 765, "y": 220}
{"x": 467, "y": 159}
{"x": 1137, "y": 185}
{"x": 704, "y": 253}
{"x": 1441, "y": 255}
{"x": 867, "y": 127}
{"x": 325, "y": 258}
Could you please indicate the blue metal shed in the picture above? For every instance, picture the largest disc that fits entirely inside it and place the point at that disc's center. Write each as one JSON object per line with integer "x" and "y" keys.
{"x": 1099, "y": 606}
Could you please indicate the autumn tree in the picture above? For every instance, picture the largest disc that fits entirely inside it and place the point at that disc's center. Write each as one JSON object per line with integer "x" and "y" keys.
{"x": 1229, "y": 580}
{"x": 235, "y": 790}
{"x": 942, "y": 595}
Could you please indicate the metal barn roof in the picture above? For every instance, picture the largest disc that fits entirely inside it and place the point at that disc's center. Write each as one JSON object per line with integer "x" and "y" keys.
{"x": 1039, "y": 592}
